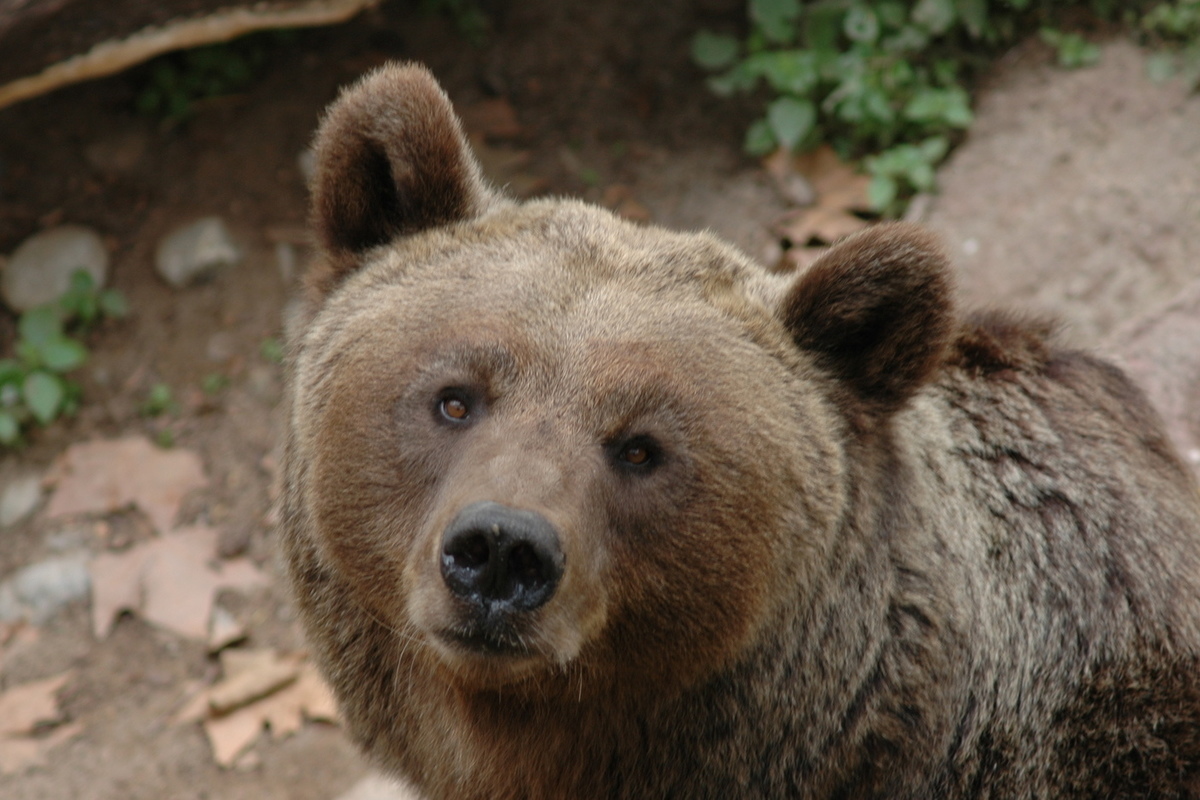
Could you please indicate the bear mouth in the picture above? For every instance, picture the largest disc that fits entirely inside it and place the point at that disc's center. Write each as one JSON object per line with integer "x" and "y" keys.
{"x": 487, "y": 640}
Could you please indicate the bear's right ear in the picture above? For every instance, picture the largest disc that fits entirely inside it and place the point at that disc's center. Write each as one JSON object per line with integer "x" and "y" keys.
{"x": 876, "y": 311}
{"x": 391, "y": 159}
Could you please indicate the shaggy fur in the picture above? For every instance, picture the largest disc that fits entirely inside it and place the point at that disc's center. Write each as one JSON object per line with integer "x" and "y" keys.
{"x": 877, "y": 550}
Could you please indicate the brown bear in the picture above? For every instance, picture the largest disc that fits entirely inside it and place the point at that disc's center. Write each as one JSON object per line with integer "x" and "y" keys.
{"x": 577, "y": 508}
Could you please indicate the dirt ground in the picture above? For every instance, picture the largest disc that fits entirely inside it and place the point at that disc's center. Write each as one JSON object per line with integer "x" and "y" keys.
{"x": 1076, "y": 194}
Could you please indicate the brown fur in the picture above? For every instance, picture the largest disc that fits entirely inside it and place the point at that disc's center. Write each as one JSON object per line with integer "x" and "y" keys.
{"x": 883, "y": 551}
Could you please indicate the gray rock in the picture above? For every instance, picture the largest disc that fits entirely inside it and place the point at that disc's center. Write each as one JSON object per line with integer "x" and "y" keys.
{"x": 35, "y": 593}
{"x": 41, "y": 267}
{"x": 195, "y": 251}
{"x": 18, "y": 500}
{"x": 306, "y": 162}
{"x": 379, "y": 787}
{"x": 70, "y": 538}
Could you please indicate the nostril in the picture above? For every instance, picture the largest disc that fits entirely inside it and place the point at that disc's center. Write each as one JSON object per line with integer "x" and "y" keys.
{"x": 500, "y": 557}
{"x": 469, "y": 552}
{"x": 526, "y": 565}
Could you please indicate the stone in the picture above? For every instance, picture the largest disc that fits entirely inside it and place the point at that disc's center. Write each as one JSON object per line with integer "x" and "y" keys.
{"x": 37, "y": 592}
{"x": 19, "y": 498}
{"x": 40, "y": 269}
{"x": 379, "y": 787}
{"x": 194, "y": 252}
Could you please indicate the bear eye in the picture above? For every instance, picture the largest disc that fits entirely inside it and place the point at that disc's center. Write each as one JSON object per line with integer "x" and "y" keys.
{"x": 639, "y": 453}
{"x": 454, "y": 407}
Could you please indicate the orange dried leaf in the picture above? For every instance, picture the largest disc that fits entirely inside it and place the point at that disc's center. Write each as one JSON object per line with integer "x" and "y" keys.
{"x": 22, "y": 710}
{"x": 103, "y": 476}
{"x": 260, "y": 689}
{"x": 19, "y": 754}
{"x": 24, "y": 707}
{"x": 820, "y": 223}
{"x": 837, "y": 184}
{"x": 172, "y": 582}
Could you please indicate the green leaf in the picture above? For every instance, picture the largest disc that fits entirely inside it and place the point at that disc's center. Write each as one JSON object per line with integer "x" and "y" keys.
{"x": 113, "y": 304}
{"x": 935, "y": 16}
{"x": 159, "y": 401}
{"x": 82, "y": 282}
{"x": 759, "y": 139}
{"x": 63, "y": 354}
{"x": 11, "y": 371}
{"x": 791, "y": 120}
{"x": 741, "y": 78}
{"x": 973, "y": 14}
{"x": 823, "y": 27}
{"x": 40, "y": 325}
{"x": 1073, "y": 50}
{"x": 861, "y": 25}
{"x": 776, "y": 18}
{"x": 43, "y": 394}
{"x": 10, "y": 431}
{"x": 788, "y": 71}
{"x": 714, "y": 51}
{"x": 271, "y": 349}
{"x": 921, "y": 176}
{"x": 934, "y": 148}
{"x": 947, "y": 106}
{"x": 881, "y": 192}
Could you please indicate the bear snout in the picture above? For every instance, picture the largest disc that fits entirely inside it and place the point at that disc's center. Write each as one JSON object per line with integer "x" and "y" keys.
{"x": 500, "y": 559}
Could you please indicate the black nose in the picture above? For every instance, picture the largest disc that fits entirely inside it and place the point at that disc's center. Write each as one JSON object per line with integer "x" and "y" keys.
{"x": 494, "y": 555}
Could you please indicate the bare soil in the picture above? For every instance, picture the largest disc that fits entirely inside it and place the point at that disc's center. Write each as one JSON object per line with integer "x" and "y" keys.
{"x": 1076, "y": 194}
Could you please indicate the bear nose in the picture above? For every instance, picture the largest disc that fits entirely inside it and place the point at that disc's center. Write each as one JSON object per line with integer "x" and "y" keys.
{"x": 494, "y": 555}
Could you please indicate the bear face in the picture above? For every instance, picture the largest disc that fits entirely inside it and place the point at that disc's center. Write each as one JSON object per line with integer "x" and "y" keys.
{"x": 610, "y": 380}
{"x": 541, "y": 368}
{"x": 580, "y": 508}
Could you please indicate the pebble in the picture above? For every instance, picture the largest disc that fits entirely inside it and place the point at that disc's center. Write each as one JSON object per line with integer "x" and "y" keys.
{"x": 35, "y": 593}
{"x": 306, "y": 162}
{"x": 40, "y": 269}
{"x": 19, "y": 498}
{"x": 194, "y": 252}
{"x": 378, "y": 787}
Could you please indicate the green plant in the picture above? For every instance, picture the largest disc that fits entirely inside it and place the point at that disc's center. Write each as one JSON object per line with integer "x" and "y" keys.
{"x": 889, "y": 81}
{"x": 175, "y": 82}
{"x": 468, "y": 17}
{"x": 1174, "y": 28}
{"x": 1073, "y": 50}
{"x": 271, "y": 350}
{"x": 159, "y": 400}
{"x": 214, "y": 383}
{"x": 34, "y": 386}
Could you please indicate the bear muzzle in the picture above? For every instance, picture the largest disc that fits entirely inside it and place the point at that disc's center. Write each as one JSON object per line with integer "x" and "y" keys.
{"x": 499, "y": 563}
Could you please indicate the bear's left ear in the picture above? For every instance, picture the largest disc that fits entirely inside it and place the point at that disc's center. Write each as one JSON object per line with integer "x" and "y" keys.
{"x": 876, "y": 311}
{"x": 391, "y": 160}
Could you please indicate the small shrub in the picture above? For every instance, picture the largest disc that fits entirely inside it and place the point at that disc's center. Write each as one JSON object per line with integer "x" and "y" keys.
{"x": 888, "y": 81}
{"x": 34, "y": 382}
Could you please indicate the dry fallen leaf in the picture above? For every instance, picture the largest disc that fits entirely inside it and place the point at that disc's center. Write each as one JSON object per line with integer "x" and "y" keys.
{"x": 820, "y": 223}
{"x": 99, "y": 477}
{"x": 840, "y": 192}
{"x": 18, "y": 754}
{"x": 24, "y": 707}
{"x": 171, "y": 582}
{"x": 837, "y": 184}
{"x": 260, "y": 689}
{"x": 24, "y": 710}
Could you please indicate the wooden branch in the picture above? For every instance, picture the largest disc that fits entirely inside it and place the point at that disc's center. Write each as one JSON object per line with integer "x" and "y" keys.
{"x": 115, "y": 55}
